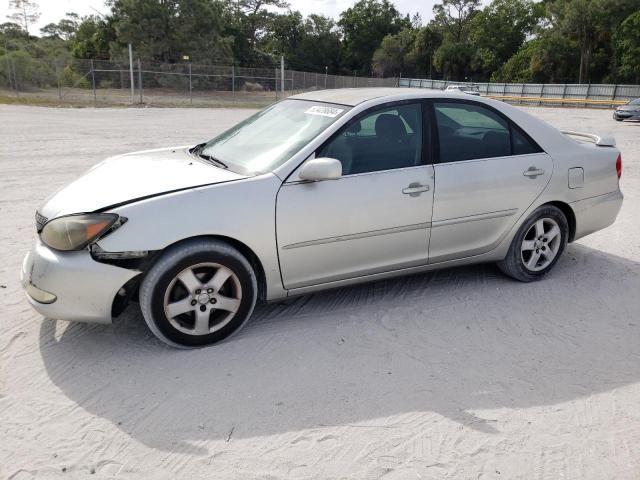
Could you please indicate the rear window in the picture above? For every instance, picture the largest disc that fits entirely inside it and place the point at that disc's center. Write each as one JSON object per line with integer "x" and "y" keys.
{"x": 468, "y": 131}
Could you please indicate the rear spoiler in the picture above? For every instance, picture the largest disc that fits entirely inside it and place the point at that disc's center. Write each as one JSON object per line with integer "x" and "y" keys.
{"x": 605, "y": 141}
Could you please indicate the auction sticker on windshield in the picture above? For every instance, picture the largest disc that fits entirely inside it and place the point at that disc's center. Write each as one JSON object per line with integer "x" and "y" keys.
{"x": 331, "y": 112}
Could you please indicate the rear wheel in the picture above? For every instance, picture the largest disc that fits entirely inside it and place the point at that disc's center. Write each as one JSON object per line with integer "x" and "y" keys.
{"x": 198, "y": 293}
{"x": 537, "y": 246}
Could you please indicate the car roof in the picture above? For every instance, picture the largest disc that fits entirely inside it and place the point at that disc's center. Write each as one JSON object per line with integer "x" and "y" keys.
{"x": 353, "y": 96}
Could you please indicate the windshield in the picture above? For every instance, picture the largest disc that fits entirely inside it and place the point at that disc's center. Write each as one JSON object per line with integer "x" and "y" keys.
{"x": 272, "y": 136}
{"x": 635, "y": 102}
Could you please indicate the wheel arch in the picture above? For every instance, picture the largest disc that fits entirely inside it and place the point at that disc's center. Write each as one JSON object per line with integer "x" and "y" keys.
{"x": 568, "y": 213}
{"x": 243, "y": 248}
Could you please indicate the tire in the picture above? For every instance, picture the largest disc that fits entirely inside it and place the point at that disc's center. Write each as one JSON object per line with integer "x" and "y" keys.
{"x": 531, "y": 261}
{"x": 198, "y": 293}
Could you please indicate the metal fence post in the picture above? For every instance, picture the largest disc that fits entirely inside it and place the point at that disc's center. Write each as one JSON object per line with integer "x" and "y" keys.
{"x": 15, "y": 78}
{"x": 93, "y": 84}
{"x": 190, "y": 86}
{"x": 233, "y": 81}
{"x": 58, "y": 81}
{"x": 541, "y": 92}
{"x": 613, "y": 95}
{"x": 9, "y": 76}
{"x": 587, "y": 94}
{"x": 282, "y": 74}
{"x": 276, "y": 83}
{"x": 140, "y": 81}
{"x": 131, "y": 74}
{"x": 564, "y": 93}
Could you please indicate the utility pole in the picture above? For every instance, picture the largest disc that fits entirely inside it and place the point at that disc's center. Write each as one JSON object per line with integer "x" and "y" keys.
{"x": 133, "y": 93}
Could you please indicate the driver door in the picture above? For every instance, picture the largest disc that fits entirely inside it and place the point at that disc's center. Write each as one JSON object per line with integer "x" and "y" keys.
{"x": 376, "y": 217}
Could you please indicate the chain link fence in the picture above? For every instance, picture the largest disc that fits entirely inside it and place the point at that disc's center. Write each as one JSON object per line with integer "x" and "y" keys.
{"x": 557, "y": 94}
{"x": 101, "y": 82}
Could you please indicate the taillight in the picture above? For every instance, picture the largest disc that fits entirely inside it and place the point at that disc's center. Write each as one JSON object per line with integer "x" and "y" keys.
{"x": 619, "y": 165}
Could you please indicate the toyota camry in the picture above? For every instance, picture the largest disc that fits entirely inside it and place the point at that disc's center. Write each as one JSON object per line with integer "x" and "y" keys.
{"x": 317, "y": 191}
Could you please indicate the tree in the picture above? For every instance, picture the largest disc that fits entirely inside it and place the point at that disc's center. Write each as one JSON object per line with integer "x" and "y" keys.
{"x": 364, "y": 26}
{"x": 454, "y": 16}
{"x": 309, "y": 44}
{"x": 93, "y": 38}
{"x": 590, "y": 24}
{"x": 26, "y": 13}
{"x": 427, "y": 41}
{"x": 628, "y": 43}
{"x": 498, "y": 32}
{"x": 391, "y": 59}
{"x": 64, "y": 29}
{"x": 257, "y": 16}
{"x": 165, "y": 30}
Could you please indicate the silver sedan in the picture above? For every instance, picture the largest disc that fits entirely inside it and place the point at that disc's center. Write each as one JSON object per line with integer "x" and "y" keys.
{"x": 317, "y": 191}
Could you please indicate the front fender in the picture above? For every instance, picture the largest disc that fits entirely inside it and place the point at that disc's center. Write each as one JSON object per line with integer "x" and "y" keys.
{"x": 243, "y": 210}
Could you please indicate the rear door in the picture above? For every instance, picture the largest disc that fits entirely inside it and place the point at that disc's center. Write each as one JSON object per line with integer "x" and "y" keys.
{"x": 488, "y": 173}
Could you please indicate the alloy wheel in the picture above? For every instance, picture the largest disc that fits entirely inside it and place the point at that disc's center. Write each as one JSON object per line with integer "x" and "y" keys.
{"x": 202, "y": 298}
{"x": 541, "y": 244}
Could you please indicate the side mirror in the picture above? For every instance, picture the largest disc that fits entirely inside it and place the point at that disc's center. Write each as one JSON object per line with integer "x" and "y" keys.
{"x": 319, "y": 169}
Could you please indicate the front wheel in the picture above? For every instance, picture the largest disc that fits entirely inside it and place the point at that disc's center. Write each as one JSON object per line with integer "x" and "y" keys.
{"x": 537, "y": 246}
{"x": 198, "y": 293}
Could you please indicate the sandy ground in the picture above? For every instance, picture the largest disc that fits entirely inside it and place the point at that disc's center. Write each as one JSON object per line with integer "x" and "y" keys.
{"x": 460, "y": 374}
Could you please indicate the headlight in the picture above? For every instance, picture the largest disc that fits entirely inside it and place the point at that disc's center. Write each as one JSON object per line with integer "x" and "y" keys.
{"x": 74, "y": 232}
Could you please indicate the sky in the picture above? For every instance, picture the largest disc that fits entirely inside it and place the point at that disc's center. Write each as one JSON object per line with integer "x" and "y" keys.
{"x": 54, "y": 10}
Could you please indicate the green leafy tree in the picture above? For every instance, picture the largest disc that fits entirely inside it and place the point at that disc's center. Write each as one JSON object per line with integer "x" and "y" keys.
{"x": 93, "y": 38}
{"x": 364, "y": 26}
{"x": 427, "y": 41}
{"x": 165, "y": 30}
{"x": 65, "y": 29}
{"x": 453, "y": 19}
{"x": 628, "y": 43}
{"x": 499, "y": 30}
{"x": 591, "y": 24}
{"x": 392, "y": 58}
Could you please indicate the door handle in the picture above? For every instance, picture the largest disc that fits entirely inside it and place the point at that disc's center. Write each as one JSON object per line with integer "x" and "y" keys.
{"x": 414, "y": 189}
{"x": 533, "y": 172}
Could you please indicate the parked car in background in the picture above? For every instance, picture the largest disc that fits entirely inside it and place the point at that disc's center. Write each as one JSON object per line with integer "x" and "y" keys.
{"x": 320, "y": 190}
{"x": 469, "y": 90}
{"x": 629, "y": 111}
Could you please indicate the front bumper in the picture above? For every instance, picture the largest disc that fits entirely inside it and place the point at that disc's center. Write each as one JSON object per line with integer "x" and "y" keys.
{"x": 84, "y": 289}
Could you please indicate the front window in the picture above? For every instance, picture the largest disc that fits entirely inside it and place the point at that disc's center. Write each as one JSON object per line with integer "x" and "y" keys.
{"x": 384, "y": 139}
{"x": 635, "y": 102}
{"x": 272, "y": 136}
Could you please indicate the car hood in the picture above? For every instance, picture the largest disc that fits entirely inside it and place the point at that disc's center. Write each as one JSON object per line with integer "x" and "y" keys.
{"x": 134, "y": 176}
{"x": 628, "y": 108}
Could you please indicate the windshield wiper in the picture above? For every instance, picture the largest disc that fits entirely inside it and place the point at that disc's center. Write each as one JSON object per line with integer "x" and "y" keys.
{"x": 213, "y": 159}
{"x": 198, "y": 148}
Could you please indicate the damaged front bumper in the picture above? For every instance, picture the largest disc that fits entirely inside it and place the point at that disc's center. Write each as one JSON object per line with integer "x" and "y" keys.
{"x": 71, "y": 285}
